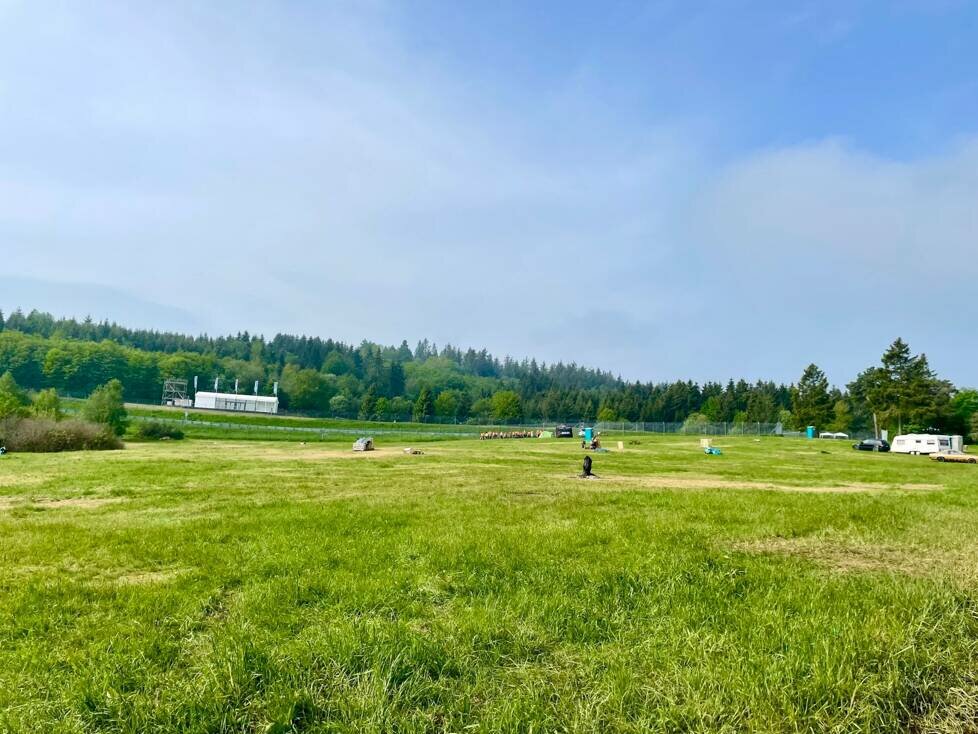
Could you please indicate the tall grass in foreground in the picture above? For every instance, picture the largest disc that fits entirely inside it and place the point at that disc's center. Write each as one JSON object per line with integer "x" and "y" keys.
{"x": 228, "y": 587}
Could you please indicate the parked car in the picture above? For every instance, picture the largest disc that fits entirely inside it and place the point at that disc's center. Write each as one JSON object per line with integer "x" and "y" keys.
{"x": 871, "y": 444}
{"x": 954, "y": 456}
{"x": 564, "y": 431}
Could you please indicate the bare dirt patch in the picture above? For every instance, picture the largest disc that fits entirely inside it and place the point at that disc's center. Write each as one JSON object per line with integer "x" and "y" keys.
{"x": 137, "y": 578}
{"x": 78, "y": 502}
{"x": 11, "y": 502}
{"x": 23, "y": 480}
{"x": 86, "y": 573}
{"x": 843, "y": 557}
{"x": 304, "y": 453}
{"x": 710, "y": 482}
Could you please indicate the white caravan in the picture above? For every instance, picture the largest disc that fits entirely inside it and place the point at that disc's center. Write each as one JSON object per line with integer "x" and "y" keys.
{"x": 920, "y": 443}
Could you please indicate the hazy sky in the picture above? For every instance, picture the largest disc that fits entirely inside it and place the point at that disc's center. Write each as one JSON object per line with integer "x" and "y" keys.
{"x": 665, "y": 189}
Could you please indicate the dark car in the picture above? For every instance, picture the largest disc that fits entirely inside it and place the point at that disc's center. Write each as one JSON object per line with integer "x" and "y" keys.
{"x": 564, "y": 431}
{"x": 871, "y": 444}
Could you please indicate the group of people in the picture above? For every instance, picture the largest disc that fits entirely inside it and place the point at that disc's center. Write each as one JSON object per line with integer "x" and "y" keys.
{"x": 509, "y": 434}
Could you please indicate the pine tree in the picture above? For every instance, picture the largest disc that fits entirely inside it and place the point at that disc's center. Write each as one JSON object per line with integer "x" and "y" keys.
{"x": 424, "y": 406}
{"x": 926, "y": 400}
{"x": 761, "y": 407}
{"x": 464, "y": 406}
{"x": 903, "y": 392}
{"x": 842, "y": 418}
{"x": 811, "y": 403}
{"x": 368, "y": 405}
{"x": 396, "y": 379}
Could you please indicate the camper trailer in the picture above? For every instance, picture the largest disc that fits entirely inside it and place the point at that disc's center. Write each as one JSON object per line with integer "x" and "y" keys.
{"x": 920, "y": 443}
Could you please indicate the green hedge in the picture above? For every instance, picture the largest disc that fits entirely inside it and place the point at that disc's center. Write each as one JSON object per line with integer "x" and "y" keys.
{"x": 156, "y": 431}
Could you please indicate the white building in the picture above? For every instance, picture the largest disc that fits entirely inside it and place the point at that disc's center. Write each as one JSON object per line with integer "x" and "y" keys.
{"x": 230, "y": 401}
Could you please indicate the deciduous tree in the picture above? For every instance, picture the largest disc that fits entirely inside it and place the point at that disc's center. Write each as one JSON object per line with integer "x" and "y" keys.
{"x": 368, "y": 405}
{"x": 105, "y": 405}
{"x": 47, "y": 404}
{"x": 339, "y": 406}
{"x": 13, "y": 400}
{"x": 506, "y": 406}
{"x": 446, "y": 403}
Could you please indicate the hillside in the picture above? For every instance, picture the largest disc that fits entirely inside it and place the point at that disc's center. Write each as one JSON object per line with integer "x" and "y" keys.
{"x": 325, "y": 377}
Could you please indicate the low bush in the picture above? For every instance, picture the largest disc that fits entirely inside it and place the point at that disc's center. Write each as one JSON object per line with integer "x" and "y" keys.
{"x": 42, "y": 435}
{"x": 157, "y": 430}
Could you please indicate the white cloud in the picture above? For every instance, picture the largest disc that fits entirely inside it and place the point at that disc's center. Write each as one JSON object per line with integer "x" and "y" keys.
{"x": 352, "y": 168}
{"x": 826, "y": 202}
{"x": 311, "y": 170}
{"x": 831, "y": 253}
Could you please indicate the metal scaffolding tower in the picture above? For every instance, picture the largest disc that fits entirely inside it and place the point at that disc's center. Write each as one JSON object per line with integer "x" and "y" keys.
{"x": 175, "y": 393}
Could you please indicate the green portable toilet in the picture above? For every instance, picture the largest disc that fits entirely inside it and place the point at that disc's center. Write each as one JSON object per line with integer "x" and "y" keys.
{"x": 811, "y": 431}
{"x": 588, "y": 435}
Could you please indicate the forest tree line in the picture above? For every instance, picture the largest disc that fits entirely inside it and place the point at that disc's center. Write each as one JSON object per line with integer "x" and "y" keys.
{"x": 371, "y": 381}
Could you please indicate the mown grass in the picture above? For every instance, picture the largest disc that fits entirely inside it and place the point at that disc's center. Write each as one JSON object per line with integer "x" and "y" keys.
{"x": 252, "y": 426}
{"x": 215, "y": 586}
{"x": 257, "y": 432}
{"x": 293, "y": 421}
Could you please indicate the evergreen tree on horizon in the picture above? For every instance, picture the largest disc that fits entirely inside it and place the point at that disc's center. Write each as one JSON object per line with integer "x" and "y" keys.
{"x": 811, "y": 403}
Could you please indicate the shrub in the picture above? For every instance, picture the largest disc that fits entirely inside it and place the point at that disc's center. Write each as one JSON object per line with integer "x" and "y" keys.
{"x": 47, "y": 404}
{"x": 105, "y": 406}
{"x": 43, "y": 435}
{"x": 157, "y": 430}
{"x": 13, "y": 400}
{"x": 697, "y": 423}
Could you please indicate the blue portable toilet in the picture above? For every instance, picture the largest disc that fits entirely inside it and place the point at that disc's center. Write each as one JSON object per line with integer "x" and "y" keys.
{"x": 588, "y": 435}
{"x": 810, "y": 432}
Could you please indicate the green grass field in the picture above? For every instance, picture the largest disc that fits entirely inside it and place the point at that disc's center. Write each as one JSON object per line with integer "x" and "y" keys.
{"x": 219, "y": 586}
{"x": 258, "y": 420}
{"x": 236, "y": 426}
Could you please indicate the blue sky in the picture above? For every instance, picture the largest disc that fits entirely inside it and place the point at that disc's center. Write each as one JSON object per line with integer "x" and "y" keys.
{"x": 666, "y": 189}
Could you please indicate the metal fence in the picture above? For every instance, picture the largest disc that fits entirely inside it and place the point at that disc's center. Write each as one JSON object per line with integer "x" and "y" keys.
{"x": 473, "y": 427}
{"x": 715, "y": 429}
{"x": 321, "y": 432}
{"x": 473, "y": 431}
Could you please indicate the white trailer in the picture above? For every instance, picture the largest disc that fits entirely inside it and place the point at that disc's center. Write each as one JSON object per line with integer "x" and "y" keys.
{"x": 920, "y": 443}
{"x": 232, "y": 401}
